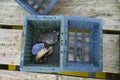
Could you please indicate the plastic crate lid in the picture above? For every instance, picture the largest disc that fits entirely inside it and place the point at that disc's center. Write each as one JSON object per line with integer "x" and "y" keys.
{"x": 37, "y": 7}
{"x": 83, "y": 44}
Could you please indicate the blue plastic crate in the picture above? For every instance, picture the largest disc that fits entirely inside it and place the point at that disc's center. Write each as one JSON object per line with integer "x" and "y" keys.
{"x": 83, "y": 50}
{"x": 34, "y": 26}
{"x": 79, "y": 47}
{"x": 37, "y": 7}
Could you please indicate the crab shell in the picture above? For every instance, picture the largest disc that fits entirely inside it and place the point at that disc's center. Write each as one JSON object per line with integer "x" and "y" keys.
{"x": 43, "y": 51}
{"x": 49, "y": 38}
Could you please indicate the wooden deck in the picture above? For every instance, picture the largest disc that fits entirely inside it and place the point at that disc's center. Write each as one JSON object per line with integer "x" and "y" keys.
{"x": 11, "y": 39}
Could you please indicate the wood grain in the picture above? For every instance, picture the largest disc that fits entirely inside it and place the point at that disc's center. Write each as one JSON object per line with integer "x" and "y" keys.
{"x": 17, "y": 75}
{"x": 107, "y": 10}
{"x": 11, "y": 13}
{"x": 75, "y": 78}
{"x": 10, "y": 46}
{"x": 111, "y": 54}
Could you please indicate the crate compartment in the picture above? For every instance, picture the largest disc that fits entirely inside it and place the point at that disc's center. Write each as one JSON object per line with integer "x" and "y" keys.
{"x": 36, "y": 34}
{"x": 37, "y": 7}
{"x": 84, "y": 45}
{"x": 33, "y": 28}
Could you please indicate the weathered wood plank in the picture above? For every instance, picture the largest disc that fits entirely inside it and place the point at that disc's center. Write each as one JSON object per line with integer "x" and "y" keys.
{"x": 111, "y": 54}
{"x": 75, "y": 78}
{"x": 10, "y": 47}
{"x": 17, "y": 75}
{"x": 107, "y": 10}
{"x": 11, "y": 13}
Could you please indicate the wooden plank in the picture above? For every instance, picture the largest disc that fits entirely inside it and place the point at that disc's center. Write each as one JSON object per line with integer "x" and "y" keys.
{"x": 107, "y": 10}
{"x": 75, "y": 78}
{"x": 11, "y": 13}
{"x": 111, "y": 54}
{"x": 10, "y": 47}
{"x": 17, "y": 75}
